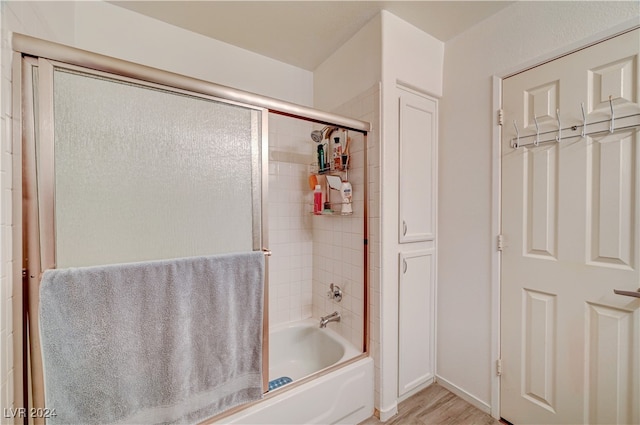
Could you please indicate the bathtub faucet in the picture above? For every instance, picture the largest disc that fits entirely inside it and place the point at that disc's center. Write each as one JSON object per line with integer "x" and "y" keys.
{"x": 333, "y": 317}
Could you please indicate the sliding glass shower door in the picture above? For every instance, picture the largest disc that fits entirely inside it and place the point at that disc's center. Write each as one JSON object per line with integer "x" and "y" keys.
{"x": 143, "y": 173}
{"x": 117, "y": 170}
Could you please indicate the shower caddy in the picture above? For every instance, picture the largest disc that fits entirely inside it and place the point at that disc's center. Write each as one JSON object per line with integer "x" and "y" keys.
{"x": 341, "y": 172}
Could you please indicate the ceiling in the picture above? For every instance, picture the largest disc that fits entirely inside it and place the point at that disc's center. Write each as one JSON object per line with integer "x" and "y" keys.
{"x": 305, "y": 33}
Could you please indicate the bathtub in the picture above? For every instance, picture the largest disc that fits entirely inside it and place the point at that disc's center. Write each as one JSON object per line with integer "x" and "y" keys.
{"x": 300, "y": 349}
{"x": 297, "y": 350}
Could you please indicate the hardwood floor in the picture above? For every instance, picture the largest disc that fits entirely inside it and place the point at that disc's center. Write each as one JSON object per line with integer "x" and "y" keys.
{"x": 436, "y": 405}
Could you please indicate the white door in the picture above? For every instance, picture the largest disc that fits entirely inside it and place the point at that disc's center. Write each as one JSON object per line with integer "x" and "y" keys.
{"x": 415, "y": 320}
{"x": 570, "y": 221}
{"x": 418, "y": 137}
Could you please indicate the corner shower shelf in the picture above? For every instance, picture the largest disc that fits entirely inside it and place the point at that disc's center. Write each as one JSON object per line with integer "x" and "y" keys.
{"x": 331, "y": 213}
{"x": 314, "y": 169}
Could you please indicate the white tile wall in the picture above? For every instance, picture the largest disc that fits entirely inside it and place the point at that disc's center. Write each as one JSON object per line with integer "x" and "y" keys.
{"x": 366, "y": 107}
{"x": 6, "y": 293}
{"x": 290, "y": 236}
{"x": 311, "y": 252}
{"x": 338, "y": 241}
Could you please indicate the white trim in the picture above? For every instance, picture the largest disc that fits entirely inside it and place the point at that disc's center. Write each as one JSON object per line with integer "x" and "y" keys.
{"x": 388, "y": 413}
{"x": 596, "y": 38}
{"x": 496, "y": 229}
{"x": 496, "y": 176}
{"x": 469, "y": 398}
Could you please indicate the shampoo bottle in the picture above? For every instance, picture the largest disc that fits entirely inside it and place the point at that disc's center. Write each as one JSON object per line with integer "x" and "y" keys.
{"x": 345, "y": 192}
{"x": 317, "y": 200}
{"x": 321, "y": 164}
{"x": 337, "y": 154}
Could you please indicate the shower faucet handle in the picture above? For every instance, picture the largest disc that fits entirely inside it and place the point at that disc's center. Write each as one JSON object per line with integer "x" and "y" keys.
{"x": 335, "y": 293}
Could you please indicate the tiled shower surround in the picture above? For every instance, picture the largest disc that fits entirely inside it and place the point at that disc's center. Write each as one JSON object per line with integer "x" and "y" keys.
{"x": 290, "y": 235}
{"x": 311, "y": 252}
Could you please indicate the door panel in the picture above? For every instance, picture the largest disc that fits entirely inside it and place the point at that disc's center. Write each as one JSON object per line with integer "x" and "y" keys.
{"x": 541, "y": 209}
{"x": 612, "y": 206}
{"x": 418, "y": 126}
{"x": 570, "y": 346}
{"x": 416, "y": 320}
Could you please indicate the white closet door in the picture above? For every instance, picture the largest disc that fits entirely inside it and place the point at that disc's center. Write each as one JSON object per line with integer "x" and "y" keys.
{"x": 570, "y": 346}
{"x": 418, "y": 136}
{"x": 416, "y": 320}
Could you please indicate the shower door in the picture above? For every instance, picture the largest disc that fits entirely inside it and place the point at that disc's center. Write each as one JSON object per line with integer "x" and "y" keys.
{"x": 118, "y": 170}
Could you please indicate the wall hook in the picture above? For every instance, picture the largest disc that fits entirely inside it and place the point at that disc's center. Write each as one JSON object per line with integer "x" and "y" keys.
{"x": 537, "y": 141}
{"x": 559, "y": 136}
{"x": 584, "y": 121}
{"x": 611, "y": 123}
{"x": 516, "y": 144}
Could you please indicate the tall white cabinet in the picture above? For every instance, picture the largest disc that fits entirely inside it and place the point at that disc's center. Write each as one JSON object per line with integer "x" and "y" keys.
{"x": 417, "y": 143}
{"x": 417, "y": 191}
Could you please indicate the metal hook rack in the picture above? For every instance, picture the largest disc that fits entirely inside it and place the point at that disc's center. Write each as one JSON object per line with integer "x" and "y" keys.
{"x": 559, "y": 136}
{"x": 597, "y": 126}
{"x": 584, "y": 121}
{"x": 516, "y": 144}
{"x": 611, "y": 124}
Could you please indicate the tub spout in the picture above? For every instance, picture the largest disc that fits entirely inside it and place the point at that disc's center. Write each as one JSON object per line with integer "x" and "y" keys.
{"x": 333, "y": 317}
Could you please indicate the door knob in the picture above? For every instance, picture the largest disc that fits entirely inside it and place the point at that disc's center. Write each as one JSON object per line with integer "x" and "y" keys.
{"x": 635, "y": 294}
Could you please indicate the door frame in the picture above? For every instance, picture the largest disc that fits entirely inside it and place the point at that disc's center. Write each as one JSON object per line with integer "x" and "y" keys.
{"x": 496, "y": 179}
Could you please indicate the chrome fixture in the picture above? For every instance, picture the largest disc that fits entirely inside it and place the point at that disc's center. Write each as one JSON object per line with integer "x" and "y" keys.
{"x": 334, "y": 293}
{"x": 319, "y": 135}
{"x": 333, "y": 317}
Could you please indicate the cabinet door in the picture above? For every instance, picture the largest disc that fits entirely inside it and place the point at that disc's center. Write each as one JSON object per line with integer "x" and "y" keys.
{"x": 416, "y": 320}
{"x": 417, "y": 140}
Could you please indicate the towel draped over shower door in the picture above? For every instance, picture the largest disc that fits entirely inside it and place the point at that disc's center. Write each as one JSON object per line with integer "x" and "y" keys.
{"x": 120, "y": 171}
{"x": 153, "y": 342}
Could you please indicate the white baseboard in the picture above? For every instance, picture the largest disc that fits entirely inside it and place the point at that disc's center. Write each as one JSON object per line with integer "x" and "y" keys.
{"x": 469, "y": 398}
{"x": 417, "y": 389}
{"x": 388, "y": 413}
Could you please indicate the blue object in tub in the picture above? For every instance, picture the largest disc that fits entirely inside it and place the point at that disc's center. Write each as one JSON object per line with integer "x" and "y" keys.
{"x": 276, "y": 383}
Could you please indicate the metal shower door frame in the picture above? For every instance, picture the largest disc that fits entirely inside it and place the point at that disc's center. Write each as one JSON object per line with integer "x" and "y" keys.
{"x": 38, "y": 242}
{"x": 31, "y": 49}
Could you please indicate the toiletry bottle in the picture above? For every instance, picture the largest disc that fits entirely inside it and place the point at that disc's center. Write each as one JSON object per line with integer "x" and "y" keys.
{"x": 337, "y": 154}
{"x": 317, "y": 200}
{"x": 346, "y": 194}
{"x": 321, "y": 165}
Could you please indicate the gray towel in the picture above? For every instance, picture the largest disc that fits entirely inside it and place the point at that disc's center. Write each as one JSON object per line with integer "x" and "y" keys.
{"x": 173, "y": 341}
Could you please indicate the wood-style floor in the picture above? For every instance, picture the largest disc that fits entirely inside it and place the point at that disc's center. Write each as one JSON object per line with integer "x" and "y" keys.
{"x": 436, "y": 405}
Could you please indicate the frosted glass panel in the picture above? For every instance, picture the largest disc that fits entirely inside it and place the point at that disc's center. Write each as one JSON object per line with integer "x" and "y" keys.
{"x": 144, "y": 174}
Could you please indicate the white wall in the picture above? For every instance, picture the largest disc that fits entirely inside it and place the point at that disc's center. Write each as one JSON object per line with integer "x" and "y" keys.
{"x": 115, "y": 31}
{"x": 111, "y": 30}
{"x": 348, "y": 82}
{"x": 387, "y": 50}
{"x": 410, "y": 56}
{"x": 351, "y": 69}
{"x": 414, "y": 59}
{"x": 521, "y": 34}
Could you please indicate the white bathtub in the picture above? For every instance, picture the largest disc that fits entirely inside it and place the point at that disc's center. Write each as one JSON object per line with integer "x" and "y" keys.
{"x": 298, "y": 350}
